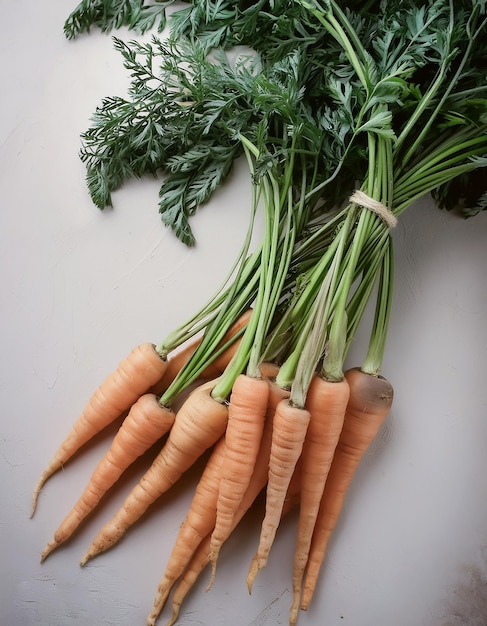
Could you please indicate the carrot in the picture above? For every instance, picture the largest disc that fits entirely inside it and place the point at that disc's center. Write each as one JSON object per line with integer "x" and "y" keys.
{"x": 134, "y": 376}
{"x": 288, "y": 434}
{"x": 198, "y": 523}
{"x": 369, "y": 404}
{"x": 246, "y": 415}
{"x": 201, "y": 518}
{"x": 199, "y": 423}
{"x": 327, "y": 402}
{"x": 145, "y": 424}
{"x": 201, "y": 557}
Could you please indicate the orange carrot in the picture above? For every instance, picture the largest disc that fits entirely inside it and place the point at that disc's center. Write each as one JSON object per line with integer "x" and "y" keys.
{"x": 199, "y": 423}
{"x": 246, "y": 414}
{"x": 145, "y": 424}
{"x": 134, "y": 376}
{"x": 199, "y": 521}
{"x": 288, "y": 434}
{"x": 201, "y": 557}
{"x": 369, "y": 404}
{"x": 327, "y": 402}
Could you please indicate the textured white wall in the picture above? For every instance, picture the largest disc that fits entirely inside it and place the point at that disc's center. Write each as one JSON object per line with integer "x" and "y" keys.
{"x": 81, "y": 287}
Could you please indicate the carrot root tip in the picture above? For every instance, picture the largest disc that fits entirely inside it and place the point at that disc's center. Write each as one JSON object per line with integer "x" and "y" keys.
{"x": 293, "y": 614}
{"x": 50, "y": 547}
{"x": 175, "y": 615}
{"x": 256, "y": 565}
{"x": 151, "y": 618}
{"x": 159, "y": 603}
{"x": 37, "y": 491}
{"x": 213, "y": 560}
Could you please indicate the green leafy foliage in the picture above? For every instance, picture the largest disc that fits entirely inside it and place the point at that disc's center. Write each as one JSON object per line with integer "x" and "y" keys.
{"x": 108, "y": 15}
{"x": 339, "y": 74}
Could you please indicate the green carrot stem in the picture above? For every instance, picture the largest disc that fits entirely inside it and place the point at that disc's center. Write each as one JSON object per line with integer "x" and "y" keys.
{"x": 375, "y": 354}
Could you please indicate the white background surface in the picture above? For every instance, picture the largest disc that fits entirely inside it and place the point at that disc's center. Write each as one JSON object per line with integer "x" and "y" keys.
{"x": 81, "y": 287}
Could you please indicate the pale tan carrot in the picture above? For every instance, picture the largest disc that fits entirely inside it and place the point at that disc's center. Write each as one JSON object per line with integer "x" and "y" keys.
{"x": 288, "y": 433}
{"x": 199, "y": 521}
{"x": 145, "y": 424}
{"x": 199, "y": 423}
{"x": 369, "y": 404}
{"x": 327, "y": 402}
{"x": 134, "y": 376}
{"x": 246, "y": 415}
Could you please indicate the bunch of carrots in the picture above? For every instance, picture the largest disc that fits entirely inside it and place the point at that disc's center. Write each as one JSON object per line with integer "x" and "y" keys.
{"x": 257, "y": 377}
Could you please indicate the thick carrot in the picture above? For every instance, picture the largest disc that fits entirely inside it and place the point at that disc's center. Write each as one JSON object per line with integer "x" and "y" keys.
{"x": 327, "y": 402}
{"x": 145, "y": 424}
{"x": 288, "y": 434}
{"x": 369, "y": 404}
{"x": 134, "y": 376}
{"x": 199, "y": 423}
{"x": 199, "y": 521}
{"x": 246, "y": 415}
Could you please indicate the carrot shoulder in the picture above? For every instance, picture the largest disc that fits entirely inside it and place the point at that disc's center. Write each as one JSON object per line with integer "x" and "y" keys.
{"x": 134, "y": 376}
{"x": 145, "y": 424}
{"x": 199, "y": 423}
{"x": 369, "y": 404}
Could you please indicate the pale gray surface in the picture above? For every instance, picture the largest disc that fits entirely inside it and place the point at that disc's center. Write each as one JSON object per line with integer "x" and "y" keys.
{"x": 81, "y": 287}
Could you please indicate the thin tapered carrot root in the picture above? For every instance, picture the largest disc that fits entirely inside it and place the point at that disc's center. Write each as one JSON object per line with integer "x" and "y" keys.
{"x": 199, "y": 423}
{"x": 289, "y": 431}
{"x": 145, "y": 424}
{"x": 369, "y": 404}
{"x": 327, "y": 402}
{"x": 197, "y": 564}
{"x": 246, "y": 415}
{"x": 199, "y": 521}
{"x": 134, "y": 376}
